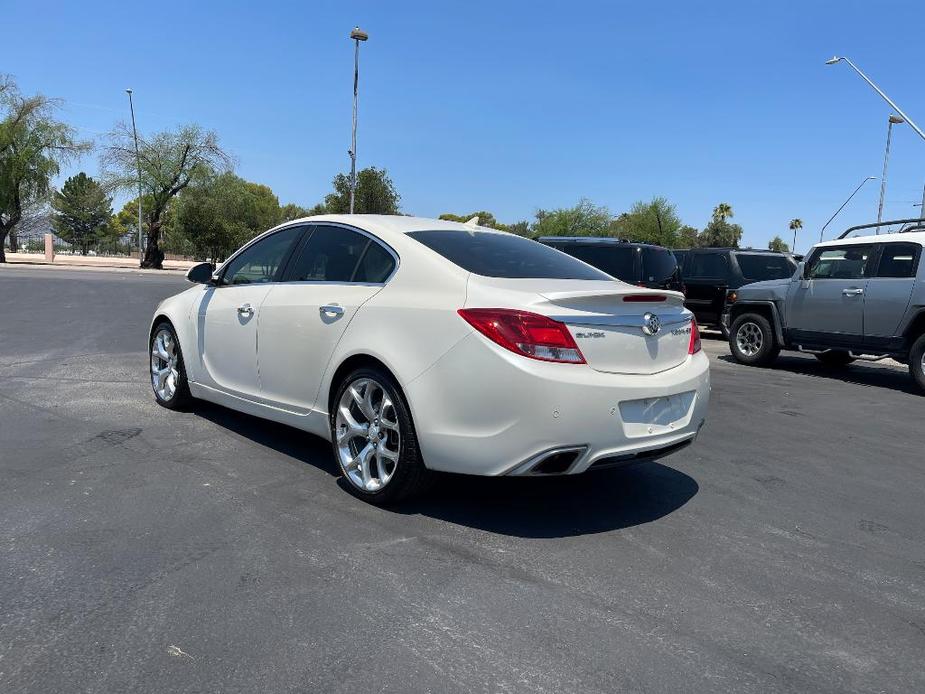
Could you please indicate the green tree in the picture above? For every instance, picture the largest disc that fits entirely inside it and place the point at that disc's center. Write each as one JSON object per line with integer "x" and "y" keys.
{"x": 521, "y": 228}
{"x": 584, "y": 219}
{"x": 486, "y": 219}
{"x": 723, "y": 211}
{"x": 688, "y": 237}
{"x": 655, "y": 221}
{"x": 219, "y": 213}
{"x": 170, "y": 161}
{"x": 795, "y": 225}
{"x": 82, "y": 211}
{"x": 778, "y": 244}
{"x": 292, "y": 211}
{"x": 721, "y": 234}
{"x": 33, "y": 146}
{"x": 375, "y": 194}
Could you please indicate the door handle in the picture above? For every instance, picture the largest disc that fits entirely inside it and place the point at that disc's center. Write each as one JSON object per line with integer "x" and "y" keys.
{"x": 331, "y": 310}
{"x": 245, "y": 309}
{"x": 856, "y": 291}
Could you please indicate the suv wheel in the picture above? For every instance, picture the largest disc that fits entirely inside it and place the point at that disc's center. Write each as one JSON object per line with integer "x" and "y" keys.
{"x": 917, "y": 361}
{"x": 751, "y": 340}
{"x": 835, "y": 357}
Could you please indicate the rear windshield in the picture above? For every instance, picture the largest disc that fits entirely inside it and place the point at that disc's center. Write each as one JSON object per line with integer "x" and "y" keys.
{"x": 658, "y": 264}
{"x": 759, "y": 267}
{"x": 505, "y": 255}
{"x": 616, "y": 261}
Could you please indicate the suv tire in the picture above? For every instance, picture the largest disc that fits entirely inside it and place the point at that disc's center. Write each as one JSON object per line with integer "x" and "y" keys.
{"x": 917, "y": 361}
{"x": 751, "y": 340}
{"x": 835, "y": 357}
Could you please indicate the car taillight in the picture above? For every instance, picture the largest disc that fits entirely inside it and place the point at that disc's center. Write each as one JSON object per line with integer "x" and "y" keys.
{"x": 694, "y": 345}
{"x": 528, "y": 334}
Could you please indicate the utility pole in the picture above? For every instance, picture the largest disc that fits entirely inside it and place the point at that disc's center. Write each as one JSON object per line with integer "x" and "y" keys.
{"x": 141, "y": 251}
{"x": 357, "y": 35}
{"x": 893, "y": 120}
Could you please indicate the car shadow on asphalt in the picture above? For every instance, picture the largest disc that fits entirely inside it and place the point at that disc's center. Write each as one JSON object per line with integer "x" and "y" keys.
{"x": 858, "y": 373}
{"x": 534, "y": 507}
{"x": 531, "y": 507}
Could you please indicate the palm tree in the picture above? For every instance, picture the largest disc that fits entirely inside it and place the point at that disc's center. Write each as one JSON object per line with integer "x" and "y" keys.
{"x": 722, "y": 211}
{"x": 794, "y": 225}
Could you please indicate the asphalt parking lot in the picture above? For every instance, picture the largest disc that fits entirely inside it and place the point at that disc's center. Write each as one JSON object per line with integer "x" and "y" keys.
{"x": 153, "y": 551}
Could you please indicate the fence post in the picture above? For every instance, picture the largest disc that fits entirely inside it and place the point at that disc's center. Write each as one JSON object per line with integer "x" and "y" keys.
{"x": 49, "y": 248}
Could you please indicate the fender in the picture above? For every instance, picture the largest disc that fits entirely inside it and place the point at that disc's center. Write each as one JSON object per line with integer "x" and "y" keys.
{"x": 776, "y": 322}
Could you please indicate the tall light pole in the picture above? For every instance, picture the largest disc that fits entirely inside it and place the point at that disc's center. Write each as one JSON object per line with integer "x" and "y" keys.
{"x": 836, "y": 59}
{"x": 131, "y": 106}
{"x": 893, "y": 120}
{"x": 357, "y": 35}
{"x": 869, "y": 178}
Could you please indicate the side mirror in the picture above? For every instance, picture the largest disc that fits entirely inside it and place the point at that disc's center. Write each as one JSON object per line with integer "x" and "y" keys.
{"x": 200, "y": 274}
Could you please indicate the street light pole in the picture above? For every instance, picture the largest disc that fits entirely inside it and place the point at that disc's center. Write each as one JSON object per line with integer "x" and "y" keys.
{"x": 138, "y": 165}
{"x": 869, "y": 178}
{"x": 893, "y": 120}
{"x": 357, "y": 35}
{"x": 836, "y": 59}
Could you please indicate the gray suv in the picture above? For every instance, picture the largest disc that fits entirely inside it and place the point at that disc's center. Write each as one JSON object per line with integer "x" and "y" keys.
{"x": 852, "y": 298}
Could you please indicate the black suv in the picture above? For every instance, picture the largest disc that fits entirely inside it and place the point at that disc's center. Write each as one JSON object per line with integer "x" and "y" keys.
{"x": 712, "y": 275}
{"x": 641, "y": 264}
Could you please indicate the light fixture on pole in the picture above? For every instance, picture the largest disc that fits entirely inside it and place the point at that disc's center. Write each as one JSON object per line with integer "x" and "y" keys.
{"x": 869, "y": 178}
{"x": 356, "y": 35}
{"x": 141, "y": 254}
{"x": 836, "y": 59}
{"x": 893, "y": 120}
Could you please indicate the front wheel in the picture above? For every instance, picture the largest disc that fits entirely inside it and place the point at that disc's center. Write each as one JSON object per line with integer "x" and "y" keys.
{"x": 835, "y": 357}
{"x": 917, "y": 362}
{"x": 374, "y": 439}
{"x": 168, "y": 374}
{"x": 751, "y": 340}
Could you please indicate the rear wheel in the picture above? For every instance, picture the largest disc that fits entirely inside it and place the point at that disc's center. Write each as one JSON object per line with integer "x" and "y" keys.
{"x": 917, "y": 361}
{"x": 374, "y": 439}
{"x": 835, "y": 357}
{"x": 751, "y": 340}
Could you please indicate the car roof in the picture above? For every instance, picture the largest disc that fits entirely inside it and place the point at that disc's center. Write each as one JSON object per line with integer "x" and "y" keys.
{"x": 763, "y": 251}
{"x": 909, "y": 237}
{"x": 596, "y": 241}
{"x": 386, "y": 225}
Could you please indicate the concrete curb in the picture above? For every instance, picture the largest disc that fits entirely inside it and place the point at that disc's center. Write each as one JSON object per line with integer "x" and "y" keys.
{"x": 90, "y": 268}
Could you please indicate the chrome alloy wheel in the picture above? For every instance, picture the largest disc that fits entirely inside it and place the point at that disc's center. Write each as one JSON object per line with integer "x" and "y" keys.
{"x": 749, "y": 339}
{"x": 165, "y": 374}
{"x": 367, "y": 436}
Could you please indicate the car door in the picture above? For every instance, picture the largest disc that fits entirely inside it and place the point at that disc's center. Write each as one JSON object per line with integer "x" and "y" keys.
{"x": 332, "y": 274}
{"x": 706, "y": 278}
{"x": 889, "y": 290}
{"x": 228, "y": 313}
{"x": 828, "y": 301}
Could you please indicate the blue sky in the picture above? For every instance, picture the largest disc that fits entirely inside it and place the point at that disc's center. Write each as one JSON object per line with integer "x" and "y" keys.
{"x": 513, "y": 106}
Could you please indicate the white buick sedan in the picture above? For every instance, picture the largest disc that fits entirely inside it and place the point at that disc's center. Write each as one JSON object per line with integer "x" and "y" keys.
{"x": 416, "y": 345}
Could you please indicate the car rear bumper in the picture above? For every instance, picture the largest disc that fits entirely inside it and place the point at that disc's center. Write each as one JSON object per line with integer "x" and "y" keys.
{"x": 483, "y": 410}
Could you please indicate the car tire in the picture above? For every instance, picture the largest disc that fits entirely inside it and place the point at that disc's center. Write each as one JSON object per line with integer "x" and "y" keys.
{"x": 168, "y": 372}
{"x": 751, "y": 340}
{"x": 917, "y": 362}
{"x": 835, "y": 357}
{"x": 387, "y": 419}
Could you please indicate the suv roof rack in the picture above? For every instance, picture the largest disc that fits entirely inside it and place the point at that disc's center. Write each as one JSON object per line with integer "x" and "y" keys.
{"x": 916, "y": 224}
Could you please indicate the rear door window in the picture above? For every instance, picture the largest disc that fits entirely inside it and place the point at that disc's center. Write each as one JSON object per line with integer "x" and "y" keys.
{"x": 616, "y": 261}
{"x": 658, "y": 264}
{"x": 707, "y": 266}
{"x": 756, "y": 267}
{"x": 505, "y": 255}
{"x": 899, "y": 260}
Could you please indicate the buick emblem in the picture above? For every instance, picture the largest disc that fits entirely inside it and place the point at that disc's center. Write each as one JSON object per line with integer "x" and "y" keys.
{"x": 651, "y": 324}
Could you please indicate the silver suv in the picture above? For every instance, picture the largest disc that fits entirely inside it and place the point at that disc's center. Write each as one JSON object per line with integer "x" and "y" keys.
{"x": 853, "y": 298}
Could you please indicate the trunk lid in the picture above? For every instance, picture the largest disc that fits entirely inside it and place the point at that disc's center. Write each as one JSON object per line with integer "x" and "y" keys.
{"x": 608, "y": 328}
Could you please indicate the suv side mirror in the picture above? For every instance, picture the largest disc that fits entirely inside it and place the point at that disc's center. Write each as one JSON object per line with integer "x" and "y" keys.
{"x": 200, "y": 274}
{"x": 804, "y": 271}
